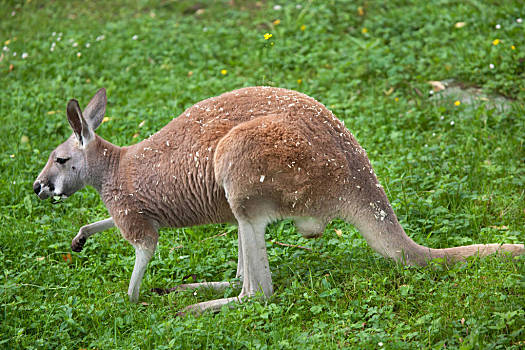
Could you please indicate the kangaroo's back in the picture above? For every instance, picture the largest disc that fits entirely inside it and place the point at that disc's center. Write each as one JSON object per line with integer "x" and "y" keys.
{"x": 178, "y": 159}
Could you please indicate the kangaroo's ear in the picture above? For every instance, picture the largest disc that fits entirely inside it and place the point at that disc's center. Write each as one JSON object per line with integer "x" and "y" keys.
{"x": 83, "y": 131}
{"x": 96, "y": 108}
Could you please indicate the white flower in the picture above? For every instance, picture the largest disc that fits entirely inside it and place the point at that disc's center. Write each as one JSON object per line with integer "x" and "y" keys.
{"x": 88, "y": 45}
{"x": 519, "y": 20}
{"x": 54, "y": 33}
{"x": 277, "y": 7}
{"x": 100, "y": 37}
{"x": 59, "y": 38}
{"x": 75, "y": 44}
{"x": 298, "y": 6}
{"x": 431, "y": 92}
{"x": 79, "y": 54}
{"x": 491, "y": 66}
{"x": 380, "y": 343}
{"x": 14, "y": 53}
{"x": 498, "y": 26}
{"x": 135, "y": 37}
{"x": 452, "y": 123}
{"x": 13, "y": 13}
{"x": 24, "y": 55}
{"x": 52, "y": 48}
{"x": 5, "y": 48}
{"x": 442, "y": 117}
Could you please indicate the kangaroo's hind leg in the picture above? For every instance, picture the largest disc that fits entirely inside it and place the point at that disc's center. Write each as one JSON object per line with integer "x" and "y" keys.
{"x": 256, "y": 269}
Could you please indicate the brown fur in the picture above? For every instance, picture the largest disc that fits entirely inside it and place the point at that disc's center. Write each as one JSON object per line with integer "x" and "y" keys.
{"x": 252, "y": 155}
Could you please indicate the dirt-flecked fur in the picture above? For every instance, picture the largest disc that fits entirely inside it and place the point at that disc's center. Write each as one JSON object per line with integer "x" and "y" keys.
{"x": 250, "y": 156}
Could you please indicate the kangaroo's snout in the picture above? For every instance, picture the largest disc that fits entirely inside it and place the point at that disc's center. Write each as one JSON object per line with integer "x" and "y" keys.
{"x": 43, "y": 191}
{"x": 37, "y": 187}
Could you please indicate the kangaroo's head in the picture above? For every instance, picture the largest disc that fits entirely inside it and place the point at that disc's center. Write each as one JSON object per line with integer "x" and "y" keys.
{"x": 66, "y": 169}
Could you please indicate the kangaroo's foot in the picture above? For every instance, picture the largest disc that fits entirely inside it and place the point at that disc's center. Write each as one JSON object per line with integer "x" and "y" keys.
{"x": 211, "y": 305}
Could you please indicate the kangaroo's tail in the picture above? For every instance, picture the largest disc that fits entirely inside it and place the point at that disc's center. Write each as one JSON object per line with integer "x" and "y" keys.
{"x": 377, "y": 222}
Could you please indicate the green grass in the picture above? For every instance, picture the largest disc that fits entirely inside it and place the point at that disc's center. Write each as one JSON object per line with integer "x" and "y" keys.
{"x": 450, "y": 183}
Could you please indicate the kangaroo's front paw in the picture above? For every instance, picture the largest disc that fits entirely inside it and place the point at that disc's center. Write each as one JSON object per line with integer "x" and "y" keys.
{"x": 78, "y": 243}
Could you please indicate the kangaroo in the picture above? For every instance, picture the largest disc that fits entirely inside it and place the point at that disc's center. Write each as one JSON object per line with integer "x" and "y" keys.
{"x": 250, "y": 156}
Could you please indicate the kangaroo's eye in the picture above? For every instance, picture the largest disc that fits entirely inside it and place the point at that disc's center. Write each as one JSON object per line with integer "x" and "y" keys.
{"x": 62, "y": 160}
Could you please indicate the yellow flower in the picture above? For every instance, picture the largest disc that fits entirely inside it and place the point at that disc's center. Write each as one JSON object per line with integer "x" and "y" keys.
{"x": 495, "y": 42}
{"x": 396, "y": 99}
{"x": 224, "y": 71}
{"x": 299, "y": 81}
{"x": 364, "y": 30}
{"x": 276, "y": 22}
{"x": 360, "y": 11}
{"x": 513, "y": 47}
{"x": 105, "y": 120}
{"x": 267, "y": 36}
{"x": 457, "y": 103}
{"x": 303, "y": 27}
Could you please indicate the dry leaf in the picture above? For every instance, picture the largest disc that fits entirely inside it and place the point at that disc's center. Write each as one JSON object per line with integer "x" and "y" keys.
{"x": 142, "y": 123}
{"x": 437, "y": 85}
{"x": 176, "y": 247}
{"x": 144, "y": 303}
{"x": 501, "y": 228}
{"x": 360, "y": 11}
{"x": 462, "y": 320}
{"x": 389, "y": 91}
{"x": 459, "y": 24}
{"x": 40, "y": 258}
{"x": 11, "y": 67}
{"x": 338, "y": 232}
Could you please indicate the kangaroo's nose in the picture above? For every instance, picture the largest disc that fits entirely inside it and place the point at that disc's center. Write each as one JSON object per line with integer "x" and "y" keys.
{"x": 36, "y": 187}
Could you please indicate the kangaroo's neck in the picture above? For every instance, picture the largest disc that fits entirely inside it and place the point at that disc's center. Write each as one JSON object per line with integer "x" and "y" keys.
{"x": 103, "y": 159}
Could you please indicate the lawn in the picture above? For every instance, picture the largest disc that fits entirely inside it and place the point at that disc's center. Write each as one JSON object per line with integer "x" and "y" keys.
{"x": 454, "y": 171}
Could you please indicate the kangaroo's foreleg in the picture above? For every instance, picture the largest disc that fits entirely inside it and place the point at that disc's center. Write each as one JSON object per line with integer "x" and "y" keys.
{"x": 88, "y": 230}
